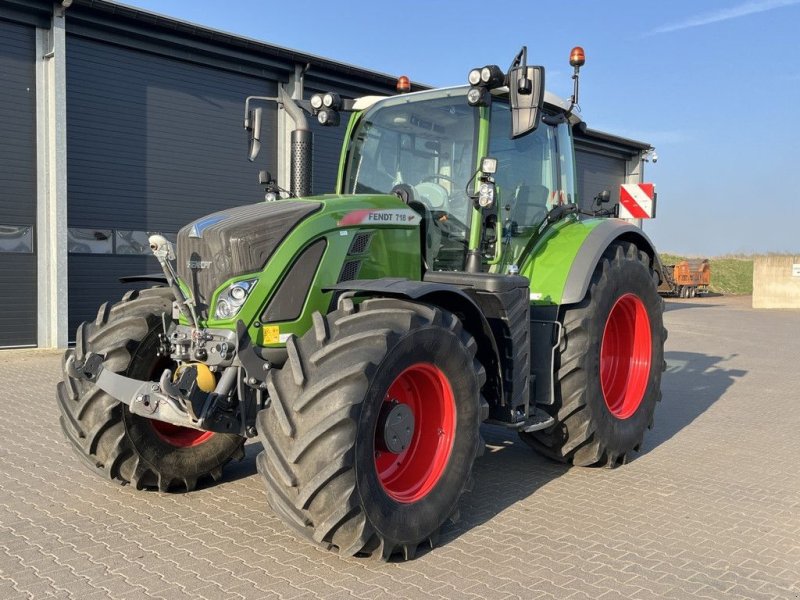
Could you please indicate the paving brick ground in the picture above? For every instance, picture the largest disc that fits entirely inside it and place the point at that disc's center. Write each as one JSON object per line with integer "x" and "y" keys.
{"x": 709, "y": 509}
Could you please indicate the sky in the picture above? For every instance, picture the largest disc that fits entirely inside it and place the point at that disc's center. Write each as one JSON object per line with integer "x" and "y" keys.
{"x": 714, "y": 85}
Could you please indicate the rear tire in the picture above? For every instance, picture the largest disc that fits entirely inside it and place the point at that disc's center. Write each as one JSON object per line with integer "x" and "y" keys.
{"x": 609, "y": 365}
{"x": 333, "y": 465}
{"x": 111, "y": 440}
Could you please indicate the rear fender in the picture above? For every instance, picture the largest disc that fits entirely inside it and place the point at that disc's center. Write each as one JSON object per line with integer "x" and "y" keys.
{"x": 561, "y": 263}
{"x": 583, "y": 266}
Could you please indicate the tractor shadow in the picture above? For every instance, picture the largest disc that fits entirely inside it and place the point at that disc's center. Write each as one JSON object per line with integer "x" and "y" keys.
{"x": 510, "y": 471}
{"x": 672, "y": 305}
{"x": 242, "y": 469}
{"x": 690, "y": 385}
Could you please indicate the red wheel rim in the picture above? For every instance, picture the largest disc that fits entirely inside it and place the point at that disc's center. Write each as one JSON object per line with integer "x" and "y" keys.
{"x": 625, "y": 356}
{"x": 180, "y": 437}
{"x": 408, "y": 476}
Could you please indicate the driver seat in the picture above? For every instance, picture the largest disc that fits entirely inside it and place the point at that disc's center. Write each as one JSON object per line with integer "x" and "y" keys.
{"x": 430, "y": 239}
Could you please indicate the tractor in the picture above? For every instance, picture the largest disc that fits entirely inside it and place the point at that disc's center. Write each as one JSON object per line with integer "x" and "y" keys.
{"x": 364, "y": 336}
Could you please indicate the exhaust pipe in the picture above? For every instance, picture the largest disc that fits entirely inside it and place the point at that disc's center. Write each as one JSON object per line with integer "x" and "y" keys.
{"x": 302, "y": 145}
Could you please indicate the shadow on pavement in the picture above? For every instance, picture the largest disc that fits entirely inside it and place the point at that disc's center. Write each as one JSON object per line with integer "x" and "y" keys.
{"x": 246, "y": 467}
{"x": 690, "y": 385}
{"x": 509, "y": 471}
{"x": 674, "y": 305}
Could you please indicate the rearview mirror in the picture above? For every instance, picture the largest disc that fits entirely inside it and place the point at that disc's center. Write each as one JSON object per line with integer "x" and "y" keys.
{"x": 603, "y": 197}
{"x": 253, "y": 125}
{"x": 526, "y": 88}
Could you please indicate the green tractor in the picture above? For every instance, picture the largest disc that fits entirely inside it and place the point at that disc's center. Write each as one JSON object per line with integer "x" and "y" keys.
{"x": 365, "y": 336}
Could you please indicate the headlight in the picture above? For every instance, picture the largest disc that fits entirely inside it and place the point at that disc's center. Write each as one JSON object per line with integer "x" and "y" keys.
{"x": 231, "y": 299}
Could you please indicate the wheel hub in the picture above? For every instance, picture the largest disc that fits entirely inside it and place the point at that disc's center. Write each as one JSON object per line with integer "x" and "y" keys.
{"x": 415, "y": 432}
{"x": 397, "y": 427}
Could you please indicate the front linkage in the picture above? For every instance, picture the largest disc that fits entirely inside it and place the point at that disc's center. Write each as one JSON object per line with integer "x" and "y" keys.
{"x": 189, "y": 397}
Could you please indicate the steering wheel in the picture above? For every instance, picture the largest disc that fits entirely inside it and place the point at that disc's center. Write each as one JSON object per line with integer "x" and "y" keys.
{"x": 436, "y": 176}
{"x": 450, "y": 226}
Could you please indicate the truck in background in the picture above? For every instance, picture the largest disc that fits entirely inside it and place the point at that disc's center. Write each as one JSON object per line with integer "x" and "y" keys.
{"x": 686, "y": 279}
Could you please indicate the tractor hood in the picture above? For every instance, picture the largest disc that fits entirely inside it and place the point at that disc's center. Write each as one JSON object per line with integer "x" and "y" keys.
{"x": 234, "y": 242}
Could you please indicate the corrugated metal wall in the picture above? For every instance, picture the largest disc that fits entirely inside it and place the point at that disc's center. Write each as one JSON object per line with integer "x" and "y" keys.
{"x": 17, "y": 185}
{"x": 153, "y": 144}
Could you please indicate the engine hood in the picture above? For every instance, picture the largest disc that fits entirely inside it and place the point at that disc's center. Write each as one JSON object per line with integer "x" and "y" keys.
{"x": 234, "y": 242}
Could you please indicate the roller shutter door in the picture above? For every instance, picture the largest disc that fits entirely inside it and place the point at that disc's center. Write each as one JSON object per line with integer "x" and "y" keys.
{"x": 327, "y": 150}
{"x": 17, "y": 185}
{"x": 598, "y": 172}
{"x": 154, "y": 143}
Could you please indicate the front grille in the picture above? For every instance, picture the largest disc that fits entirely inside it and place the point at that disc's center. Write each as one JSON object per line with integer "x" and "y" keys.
{"x": 360, "y": 244}
{"x": 350, "y": 270}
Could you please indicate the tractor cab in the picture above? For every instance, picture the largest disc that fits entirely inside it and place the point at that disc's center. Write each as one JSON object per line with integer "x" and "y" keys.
{"x": 428, "y": 147}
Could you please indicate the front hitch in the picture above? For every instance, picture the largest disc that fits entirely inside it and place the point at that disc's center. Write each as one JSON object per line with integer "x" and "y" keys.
{"x": 180, "y": 403}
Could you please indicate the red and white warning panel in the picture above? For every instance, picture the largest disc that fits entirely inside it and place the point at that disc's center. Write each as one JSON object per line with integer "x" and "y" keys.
{"x": 637, "y": 201}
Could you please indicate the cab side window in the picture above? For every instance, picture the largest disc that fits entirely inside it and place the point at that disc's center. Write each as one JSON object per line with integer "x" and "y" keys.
{"x": 526, "y": 176}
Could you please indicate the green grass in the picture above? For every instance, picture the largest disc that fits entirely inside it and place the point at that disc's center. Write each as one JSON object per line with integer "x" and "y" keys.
{"x": 730, "y": 274}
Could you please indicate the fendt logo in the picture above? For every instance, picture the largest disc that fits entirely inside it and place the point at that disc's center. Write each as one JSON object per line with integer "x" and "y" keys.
{"x": 198, "y": 264}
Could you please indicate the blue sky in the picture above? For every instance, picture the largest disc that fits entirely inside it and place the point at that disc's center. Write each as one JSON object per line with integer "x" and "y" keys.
{"x": 714, "y": 85}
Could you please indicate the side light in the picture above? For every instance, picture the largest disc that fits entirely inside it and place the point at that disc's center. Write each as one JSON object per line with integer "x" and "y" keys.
{"x": 489, "y": 165}
{"x": 486, "y": 195}
{"x": 316, "y": 101}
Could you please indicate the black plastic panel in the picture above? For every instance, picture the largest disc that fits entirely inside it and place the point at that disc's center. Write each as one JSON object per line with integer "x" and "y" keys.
{"x": 287, "y": 303}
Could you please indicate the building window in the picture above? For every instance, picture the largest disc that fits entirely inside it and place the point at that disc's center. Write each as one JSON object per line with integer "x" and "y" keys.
{"x": 16, "y": 238}
{"x": 132, "y": 242}
{"x": 90, "y": 241}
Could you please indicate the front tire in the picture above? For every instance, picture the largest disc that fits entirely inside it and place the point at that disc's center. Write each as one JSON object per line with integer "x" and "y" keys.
{"x": 111, "y": 440}
{"x": 373, "y": 427}
{"x": 609, "y": 365}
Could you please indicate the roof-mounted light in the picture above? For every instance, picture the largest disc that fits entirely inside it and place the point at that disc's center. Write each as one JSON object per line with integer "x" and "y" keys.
{"x": 577, "y": 58}
{"x": 328, "y": 117}
{"x": 403, "y": 84}
{"x": 492, "y": 76}
{"x": 479, "y": 96}
{"x": 474, "y": 77}
{"x": 332, "y": 100}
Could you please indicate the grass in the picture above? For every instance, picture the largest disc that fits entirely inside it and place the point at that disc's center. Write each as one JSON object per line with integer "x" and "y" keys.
{"x": 730, "y": 274}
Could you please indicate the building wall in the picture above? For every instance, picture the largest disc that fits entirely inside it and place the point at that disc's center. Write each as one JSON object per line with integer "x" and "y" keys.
{"x": 776, "y": 282}
{"x": 116, "y": 123}
{"x": 153, "y": 143}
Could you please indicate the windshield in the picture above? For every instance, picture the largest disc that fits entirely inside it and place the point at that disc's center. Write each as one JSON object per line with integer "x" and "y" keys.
{"x": 426, "y": 141}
